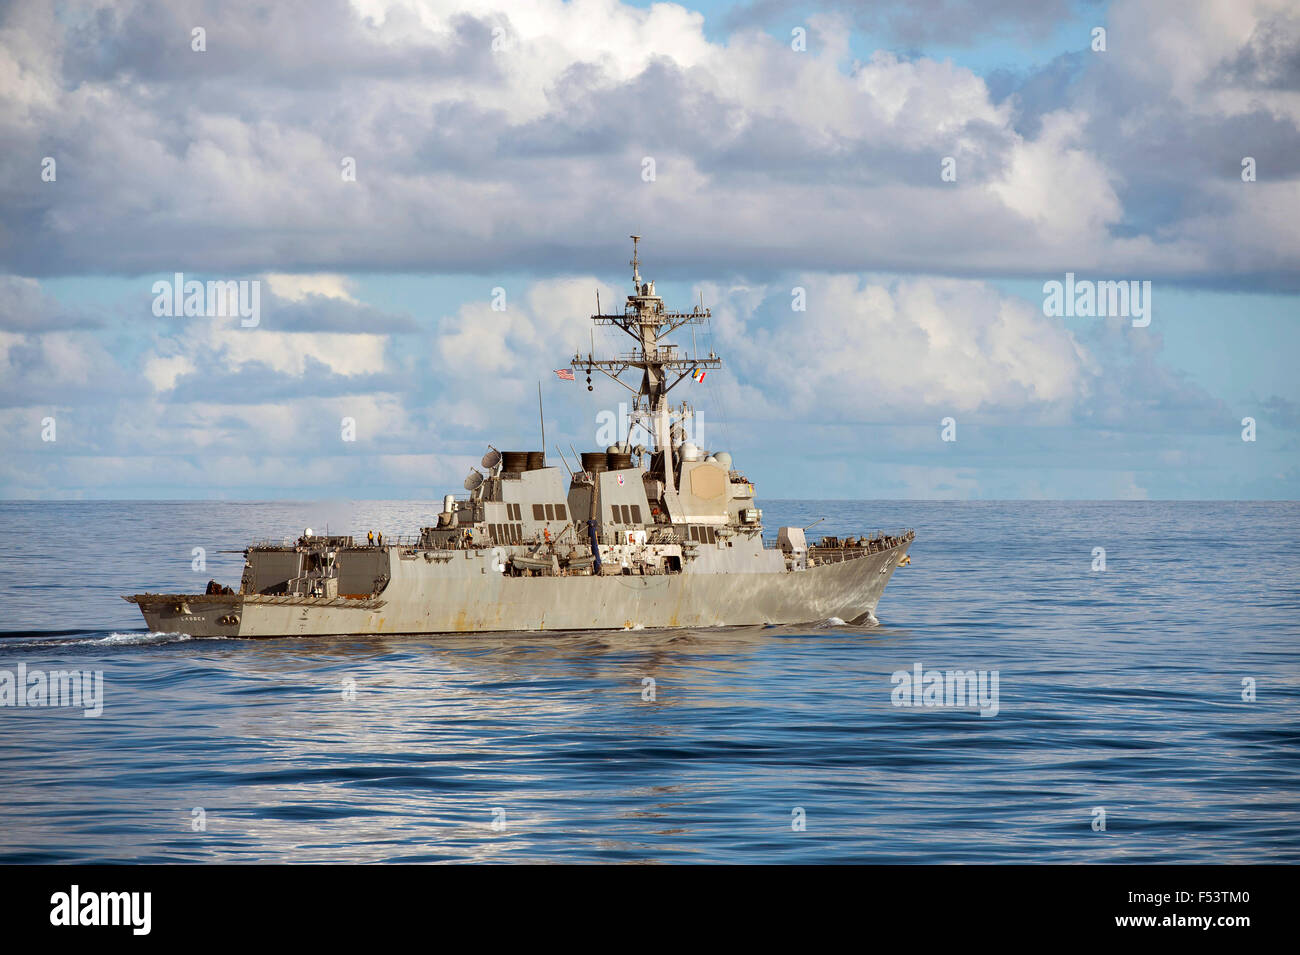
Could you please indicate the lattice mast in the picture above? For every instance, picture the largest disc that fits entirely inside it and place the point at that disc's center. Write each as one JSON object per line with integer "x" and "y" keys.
{"x": 662, "y": 368}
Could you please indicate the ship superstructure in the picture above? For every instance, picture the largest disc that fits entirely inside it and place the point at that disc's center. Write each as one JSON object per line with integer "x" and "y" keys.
{"x": 664, "y": 535}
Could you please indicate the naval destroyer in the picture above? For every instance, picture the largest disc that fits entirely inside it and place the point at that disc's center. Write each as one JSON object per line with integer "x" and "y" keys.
{"x": 664, "y": 536}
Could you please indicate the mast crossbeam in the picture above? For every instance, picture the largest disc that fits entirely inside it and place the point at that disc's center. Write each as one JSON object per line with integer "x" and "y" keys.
{"x": 662, "y": 367}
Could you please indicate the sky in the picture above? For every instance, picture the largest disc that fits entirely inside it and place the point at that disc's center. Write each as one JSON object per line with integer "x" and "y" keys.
{"x": 873, "y": 199}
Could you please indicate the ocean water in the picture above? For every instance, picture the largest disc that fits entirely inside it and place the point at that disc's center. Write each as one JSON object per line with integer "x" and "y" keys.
{"x": 1118, "y": 690}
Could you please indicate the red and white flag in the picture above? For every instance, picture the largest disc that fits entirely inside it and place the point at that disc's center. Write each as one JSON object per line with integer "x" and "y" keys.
{"x": 565, "y": 374}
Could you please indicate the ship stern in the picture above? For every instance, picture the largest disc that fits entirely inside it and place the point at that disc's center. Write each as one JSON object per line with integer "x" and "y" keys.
{"x": 197, "y": 615}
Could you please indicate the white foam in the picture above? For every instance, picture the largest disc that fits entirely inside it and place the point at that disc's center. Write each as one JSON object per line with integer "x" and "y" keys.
{"x": 139, "y": 639}
{"x": 115, "y": 639}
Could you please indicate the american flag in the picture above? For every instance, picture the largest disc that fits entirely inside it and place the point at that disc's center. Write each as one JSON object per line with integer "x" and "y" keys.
{"x": 565, "y": 374}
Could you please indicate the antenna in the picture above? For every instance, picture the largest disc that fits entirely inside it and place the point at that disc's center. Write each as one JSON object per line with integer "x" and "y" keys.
{"x": 659, "y": 366}
{"x": 541, "y": 418}
{"x": 564, "y": 461}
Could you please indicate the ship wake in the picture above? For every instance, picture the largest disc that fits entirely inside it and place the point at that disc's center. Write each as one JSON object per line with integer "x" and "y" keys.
{"x": 89, "y": 639}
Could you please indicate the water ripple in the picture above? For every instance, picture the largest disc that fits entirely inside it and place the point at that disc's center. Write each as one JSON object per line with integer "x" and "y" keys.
{"x": 1119, "y": 691}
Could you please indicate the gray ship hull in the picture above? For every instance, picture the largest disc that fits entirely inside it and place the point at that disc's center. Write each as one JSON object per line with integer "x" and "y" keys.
{"x": 468, "y": 594}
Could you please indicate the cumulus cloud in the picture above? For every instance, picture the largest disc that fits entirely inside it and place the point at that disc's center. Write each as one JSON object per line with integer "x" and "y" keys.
{"x": 25, "y": 307}
{"x": 1183, "y": 94}
{"x": 162, "y": 371}
{"x": 512, "y": 139}
{"x": 473, "y": 158}
{"x": 924, "y": 21}
{"x": 58, "y": 368}
{"x": 888, "y": 350}
{"x": 855, "y": 386}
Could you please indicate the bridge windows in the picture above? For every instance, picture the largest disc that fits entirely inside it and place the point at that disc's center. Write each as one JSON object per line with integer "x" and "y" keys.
{"x": 507, "y": 533}
{"x": 547, "y": 512}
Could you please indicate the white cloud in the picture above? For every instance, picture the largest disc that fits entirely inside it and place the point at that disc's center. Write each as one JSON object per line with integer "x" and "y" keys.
{"x": 1060, "y": 188}
{"x": 162, "y": 371}
{"x": 770, "y": 163}
{"x": 297, "y": 287}
{"x": 471, "y": 160}
{"x": 881, "y": 350}
{"x": 288, "y": 353}
{"x": 547, "y": 321}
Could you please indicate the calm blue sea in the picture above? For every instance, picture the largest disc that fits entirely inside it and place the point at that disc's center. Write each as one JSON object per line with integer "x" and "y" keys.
{"x": 1119, "y": 690}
